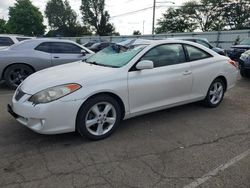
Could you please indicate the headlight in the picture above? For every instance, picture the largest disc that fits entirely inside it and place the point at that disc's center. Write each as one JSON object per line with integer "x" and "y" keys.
{"x": 54, "y": 93}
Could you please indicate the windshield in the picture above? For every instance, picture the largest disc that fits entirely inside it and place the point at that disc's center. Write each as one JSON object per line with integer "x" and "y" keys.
{"x": 115, "y": 55}
{"x": 245, "y": 42}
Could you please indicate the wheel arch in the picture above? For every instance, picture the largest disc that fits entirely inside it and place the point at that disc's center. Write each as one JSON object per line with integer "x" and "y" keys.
{"x": 4, "y": 70}
{"x": 223, "y": 78}
{"x": 111, "y": 94}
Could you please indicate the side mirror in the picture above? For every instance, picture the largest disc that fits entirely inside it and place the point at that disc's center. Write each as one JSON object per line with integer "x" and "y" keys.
{"x": 145, "y": 64}
{"x": 83, "y": 52}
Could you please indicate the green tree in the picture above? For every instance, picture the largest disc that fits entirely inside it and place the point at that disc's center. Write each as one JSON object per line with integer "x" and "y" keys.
{"x": 175, "y": 20}
{"x": 237, "y": 14}
{"x": 208, "y": 14}
{"x": 136, "y": 32}
{"x": 62, "y": 20}
{"x": 95, "y": 16}
{"x": 26, "y": 19}
{"x": 3, "y": 26}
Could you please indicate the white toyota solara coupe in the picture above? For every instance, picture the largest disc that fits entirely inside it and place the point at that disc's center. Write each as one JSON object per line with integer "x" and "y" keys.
{"x": 92, "y": 97}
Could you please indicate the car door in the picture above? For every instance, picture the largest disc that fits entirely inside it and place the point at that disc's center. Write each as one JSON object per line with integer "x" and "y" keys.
{"x": 169, "y": 82}
{"x": 40, "y": 57}
{"x": 63, "y": 52}
{"x": 204, "y": 69}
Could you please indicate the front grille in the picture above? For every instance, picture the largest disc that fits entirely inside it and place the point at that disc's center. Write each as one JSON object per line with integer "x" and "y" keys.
{"x": 19, "y": 94}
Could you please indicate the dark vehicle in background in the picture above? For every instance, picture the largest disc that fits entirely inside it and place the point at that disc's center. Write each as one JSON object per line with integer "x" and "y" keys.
{"x": 92, "y": 42}
{"x": 205, "y": 43}
{"x": 235, "y": 51}
{"x": 89, "y": 44}
{"x": 244, "y": 64}
{"x": 99, "y": 46}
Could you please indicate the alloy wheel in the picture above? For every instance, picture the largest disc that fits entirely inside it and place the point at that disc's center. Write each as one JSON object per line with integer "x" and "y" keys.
{"x": 216, "y": 93}
{"x": 101, "y": 118}
{"x": 18, "y": 75}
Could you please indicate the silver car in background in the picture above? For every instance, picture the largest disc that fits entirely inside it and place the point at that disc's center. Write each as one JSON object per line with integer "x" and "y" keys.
{"x": 22, "y": 59}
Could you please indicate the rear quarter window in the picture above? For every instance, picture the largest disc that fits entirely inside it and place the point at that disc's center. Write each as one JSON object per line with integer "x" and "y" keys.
{"x": 195, "y": 53}
{"x": 6, "y": 41}
{"x": 44, "y": 47}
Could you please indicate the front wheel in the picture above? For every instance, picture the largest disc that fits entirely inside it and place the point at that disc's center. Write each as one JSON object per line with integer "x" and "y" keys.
{"x": 14, "y": 75}
{"x": 98, "y": 117}
{"x": 215, "y": 93}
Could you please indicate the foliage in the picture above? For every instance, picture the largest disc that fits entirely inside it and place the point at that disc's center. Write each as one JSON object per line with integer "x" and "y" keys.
{"x": 3, "y": 26}
{"x": 26, "y": 19}
{"x": 175, "y": 21}
{"x": 136, "y": 32}
{"x": 62, "y": 20}
{"x": 95, "y": 16}
{"x": 237, "y": 14}
{"x": 206, "y": 15}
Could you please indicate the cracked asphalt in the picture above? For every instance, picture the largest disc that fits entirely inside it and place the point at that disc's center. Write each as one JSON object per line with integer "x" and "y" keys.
{"x": 170, "y": 148}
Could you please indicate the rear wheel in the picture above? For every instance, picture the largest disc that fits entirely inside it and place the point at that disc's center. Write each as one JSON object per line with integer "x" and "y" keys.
{"x": 14, "y": 75}
{"x": 98, "y": 117}
{"x": 244, "y": 73}
{"x": 215, "y": 93}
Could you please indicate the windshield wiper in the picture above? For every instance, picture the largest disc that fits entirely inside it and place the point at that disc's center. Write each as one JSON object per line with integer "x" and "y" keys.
{"x": 94, "y": 63}
{"x": 91, "y": 62}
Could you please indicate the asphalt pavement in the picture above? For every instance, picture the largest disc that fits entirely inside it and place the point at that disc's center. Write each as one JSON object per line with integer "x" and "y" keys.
{"x": 188, "y": 146}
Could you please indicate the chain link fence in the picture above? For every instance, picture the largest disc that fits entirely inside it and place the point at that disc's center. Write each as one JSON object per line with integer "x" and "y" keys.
{"x": 222, "y": 39}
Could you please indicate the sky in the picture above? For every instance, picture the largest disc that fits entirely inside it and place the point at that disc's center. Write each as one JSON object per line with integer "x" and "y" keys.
{"x": 125, "y": 25}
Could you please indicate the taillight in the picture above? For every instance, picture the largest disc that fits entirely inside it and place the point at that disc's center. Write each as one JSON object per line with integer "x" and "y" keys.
{"x": 233, "y": 63}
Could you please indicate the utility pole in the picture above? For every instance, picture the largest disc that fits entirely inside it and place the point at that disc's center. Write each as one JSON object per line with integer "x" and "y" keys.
{"x": 154, "y": 6}
{"x": 143, "y": 24}
{"x": 153, "y": 24}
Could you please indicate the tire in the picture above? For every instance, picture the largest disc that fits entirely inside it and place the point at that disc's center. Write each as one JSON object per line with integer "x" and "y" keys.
{"x": 101, "y": 124}
{"x": 215, "y": 96}
{"x": 243, "y": 72}
{"x": 14, "y": 75}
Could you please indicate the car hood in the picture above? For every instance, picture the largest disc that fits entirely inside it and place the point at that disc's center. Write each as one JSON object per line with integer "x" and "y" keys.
{"x": 77, "y": 72}
{"x": 241, "y": 46}
{"x": 218, "y": 50}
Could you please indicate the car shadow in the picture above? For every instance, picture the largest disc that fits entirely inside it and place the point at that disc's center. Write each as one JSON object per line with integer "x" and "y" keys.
{"x": 126, "y": 126}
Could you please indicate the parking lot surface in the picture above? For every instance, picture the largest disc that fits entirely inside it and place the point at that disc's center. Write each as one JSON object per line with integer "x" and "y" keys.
{"x": 187, "y": 146}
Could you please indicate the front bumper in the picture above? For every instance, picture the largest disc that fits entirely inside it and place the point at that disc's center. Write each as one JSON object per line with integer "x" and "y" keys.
{"x": 51, "y": 118}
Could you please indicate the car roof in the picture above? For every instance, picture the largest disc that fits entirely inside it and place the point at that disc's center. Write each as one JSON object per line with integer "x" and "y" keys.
{"x": 14, "y": 35}
{"x": 51, "y": 40}
{"x": 188, "y": 38}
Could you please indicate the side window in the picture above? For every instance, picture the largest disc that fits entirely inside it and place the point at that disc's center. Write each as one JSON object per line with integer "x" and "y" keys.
{"x": 6, "y": 41}
{"x": 164, "y": 55}
{"x": 65, "y": 48}
{"x": 195, "y": 53}
{"x": 44, "y": 47}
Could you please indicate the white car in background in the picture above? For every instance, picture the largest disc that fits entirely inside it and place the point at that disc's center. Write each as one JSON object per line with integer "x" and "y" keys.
{"x": 92, "y": 97}
{"x": 8, "y": 40}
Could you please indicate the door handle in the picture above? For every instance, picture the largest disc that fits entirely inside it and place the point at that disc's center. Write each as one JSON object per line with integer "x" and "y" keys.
{"x": 56, "y": 57}
{"x": 187, "y": 72}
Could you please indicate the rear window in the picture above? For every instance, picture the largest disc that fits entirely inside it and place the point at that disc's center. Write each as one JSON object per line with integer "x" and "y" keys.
{"x": 6, "y": 41}
{"x": 22, "y": 39}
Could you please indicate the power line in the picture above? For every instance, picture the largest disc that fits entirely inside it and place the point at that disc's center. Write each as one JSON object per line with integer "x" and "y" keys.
{"x": 136, "y": 11}
{"x": 173, "y": 6}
